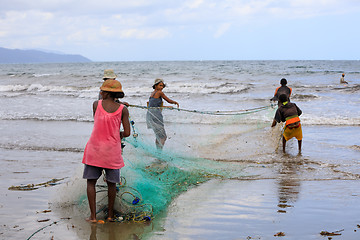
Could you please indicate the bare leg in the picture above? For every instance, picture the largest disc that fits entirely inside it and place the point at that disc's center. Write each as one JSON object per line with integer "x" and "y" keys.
{"x": 284, "y": 144}
{"x": 299, "y": 144}
{"x": 111, "y": 198}
{"x": 160, "y": 143}
{"x": 91, "y": 194}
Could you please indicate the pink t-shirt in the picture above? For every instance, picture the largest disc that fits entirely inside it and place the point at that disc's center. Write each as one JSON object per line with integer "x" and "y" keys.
{"x": 104, "y": 146}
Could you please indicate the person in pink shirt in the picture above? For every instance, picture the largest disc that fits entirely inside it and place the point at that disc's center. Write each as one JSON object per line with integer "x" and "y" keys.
{"x": 103, "y": 150}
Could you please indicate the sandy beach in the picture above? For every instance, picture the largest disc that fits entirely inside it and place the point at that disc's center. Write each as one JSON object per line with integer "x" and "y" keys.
{"x": 282, "y": 194}
{"x": 250, "y": 209}
{"x": 252, "y": 189}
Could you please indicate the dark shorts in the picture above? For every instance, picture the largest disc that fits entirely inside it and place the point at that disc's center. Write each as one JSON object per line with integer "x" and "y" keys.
{"x": 92, "y": 172}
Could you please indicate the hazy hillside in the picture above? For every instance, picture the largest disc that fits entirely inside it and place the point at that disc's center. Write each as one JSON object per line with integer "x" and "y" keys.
{"x": 35, "y": 56}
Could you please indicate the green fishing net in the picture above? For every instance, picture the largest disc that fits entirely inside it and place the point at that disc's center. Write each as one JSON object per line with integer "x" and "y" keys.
{"x": 200, "y": 145}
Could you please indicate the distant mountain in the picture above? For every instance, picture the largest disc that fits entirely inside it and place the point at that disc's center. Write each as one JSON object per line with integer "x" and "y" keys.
{"x": 36, "y": 56}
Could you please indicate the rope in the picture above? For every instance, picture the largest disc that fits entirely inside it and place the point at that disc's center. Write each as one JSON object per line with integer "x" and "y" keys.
{"x": 236, "y": 112}
{"x": 44, "y": 228}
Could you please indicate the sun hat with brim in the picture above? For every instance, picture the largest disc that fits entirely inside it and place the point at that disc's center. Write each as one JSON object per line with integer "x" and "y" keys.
{"x": 157, "y": 81}
{"x": 109, "y": 73}
{"x": 111, "y": 86}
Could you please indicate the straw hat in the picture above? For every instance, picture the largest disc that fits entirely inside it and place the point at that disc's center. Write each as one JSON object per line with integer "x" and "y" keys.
{"x": 109, "y": 73}
{"x": 111, "y": 86}
{"x": 157, "y": 81}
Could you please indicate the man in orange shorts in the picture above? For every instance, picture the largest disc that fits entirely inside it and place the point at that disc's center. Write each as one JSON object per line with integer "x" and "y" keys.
{"x": 289, "y": 113}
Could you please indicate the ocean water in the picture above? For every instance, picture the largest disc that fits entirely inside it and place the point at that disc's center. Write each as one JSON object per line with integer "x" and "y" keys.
{"x": 46, "y": 120}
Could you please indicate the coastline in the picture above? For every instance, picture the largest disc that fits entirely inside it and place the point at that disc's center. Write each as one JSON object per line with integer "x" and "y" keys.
{"x": 47, "y": 120}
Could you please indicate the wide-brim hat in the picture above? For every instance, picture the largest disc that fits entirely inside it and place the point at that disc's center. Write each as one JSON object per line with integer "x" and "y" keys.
{"x": 157, "y": 81}
{"x": 111, "y": 86}
{"x": 109, "y": 73}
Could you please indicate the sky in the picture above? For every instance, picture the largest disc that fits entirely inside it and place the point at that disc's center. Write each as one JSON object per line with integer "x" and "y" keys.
{"x": 153, "y": 30}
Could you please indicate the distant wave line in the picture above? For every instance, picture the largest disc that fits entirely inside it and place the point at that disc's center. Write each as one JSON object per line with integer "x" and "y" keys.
{"x": 234, "y": 112}
{"x": 47, "y": 119}
{"x": 40, "y": 148}
{"x": 309, "y": 121}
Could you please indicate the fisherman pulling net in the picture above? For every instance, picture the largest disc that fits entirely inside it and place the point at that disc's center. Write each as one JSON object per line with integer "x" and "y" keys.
{"x": 201, "y": 145}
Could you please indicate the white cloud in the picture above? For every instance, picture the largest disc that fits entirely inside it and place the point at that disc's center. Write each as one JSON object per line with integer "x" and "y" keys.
{"x": 193, "y": 4}
{"x": 68, "y": 24}
{"x": 143, "y": 34}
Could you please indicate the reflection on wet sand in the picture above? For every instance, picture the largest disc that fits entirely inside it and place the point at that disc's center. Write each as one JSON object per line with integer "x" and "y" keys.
{"x": 113, "y": 231}
{"x": 289, "y": 183}
{"x": 79, "y": 228}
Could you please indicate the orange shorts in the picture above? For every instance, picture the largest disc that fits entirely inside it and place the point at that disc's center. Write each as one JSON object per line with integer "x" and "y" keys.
{"x": 293, "y": 132}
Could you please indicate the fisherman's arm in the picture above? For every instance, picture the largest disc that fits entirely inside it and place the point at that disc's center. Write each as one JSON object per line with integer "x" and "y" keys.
{"x": 277, "y": 118}
{"x": 95, "y": 104}
{"x": 273, "y": 123}
{"x": 125, "y": 122}
{"x": 168, "y": 99}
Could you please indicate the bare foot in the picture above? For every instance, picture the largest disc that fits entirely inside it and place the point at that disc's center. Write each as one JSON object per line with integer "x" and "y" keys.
{"x": 91, "y": 220}
{"x": 109, "y": 219}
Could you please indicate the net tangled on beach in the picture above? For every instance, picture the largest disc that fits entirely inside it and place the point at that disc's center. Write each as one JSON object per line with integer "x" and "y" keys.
{"x": 200, "y": 145}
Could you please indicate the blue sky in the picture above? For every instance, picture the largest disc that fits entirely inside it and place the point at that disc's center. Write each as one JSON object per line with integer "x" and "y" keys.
{"x": 136, "y": 30}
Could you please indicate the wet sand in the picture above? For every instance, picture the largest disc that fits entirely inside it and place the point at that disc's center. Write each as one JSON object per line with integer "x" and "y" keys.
{"x": 262, "y": 208}
{"x": 297, "y": 195}
{"x": 231, "y": 209}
